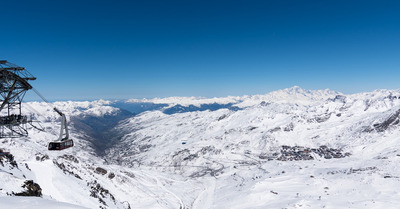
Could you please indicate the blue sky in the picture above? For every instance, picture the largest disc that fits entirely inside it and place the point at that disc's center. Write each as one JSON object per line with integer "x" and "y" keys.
{"x": 96, "y": 49}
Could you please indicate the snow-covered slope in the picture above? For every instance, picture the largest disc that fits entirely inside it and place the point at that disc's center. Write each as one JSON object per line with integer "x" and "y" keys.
{"x": 34, "y": 203}
{"x": 311, "y": 119}
{"x": 291, "y": 148}
{"x": 241, "y": 149}
{"x": 77, "y": 175}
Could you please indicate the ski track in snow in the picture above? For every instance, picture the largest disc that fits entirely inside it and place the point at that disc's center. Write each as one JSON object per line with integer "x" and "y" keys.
{"x": 44, "y": 174}
{"x": 160, "y": 186}
{"x": 205, "y": 199}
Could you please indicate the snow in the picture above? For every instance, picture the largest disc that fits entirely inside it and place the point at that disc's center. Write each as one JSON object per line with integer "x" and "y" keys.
{"x": 222, "y": 163}
{"x": 34, "y": 203}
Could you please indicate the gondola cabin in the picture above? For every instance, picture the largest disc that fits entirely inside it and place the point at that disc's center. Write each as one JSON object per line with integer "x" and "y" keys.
{"x": 61, "y": 145}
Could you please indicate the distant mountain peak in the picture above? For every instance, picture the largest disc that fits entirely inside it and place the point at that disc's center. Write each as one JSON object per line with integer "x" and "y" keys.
{"x": 299, "y": 90}
{"x": 294, "y": 94}
{"x": 296, "y": 89}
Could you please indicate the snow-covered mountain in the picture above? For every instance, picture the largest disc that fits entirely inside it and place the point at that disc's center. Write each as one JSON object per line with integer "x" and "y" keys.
{"x": 290, "y": 148}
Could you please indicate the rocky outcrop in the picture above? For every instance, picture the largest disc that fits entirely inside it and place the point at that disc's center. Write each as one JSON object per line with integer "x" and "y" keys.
{"x": 70, "y": 158}
{"x": 390, "y": 121}
{"x": 100, "y": 170}
{"x": 67, "y": 169}
{"x": 99, "y": 192}
{"x": 7, "y": 157}
{"x": 31, "y": 189}
{"x": 42, "y": 157}
{"x": 296, "y": 153}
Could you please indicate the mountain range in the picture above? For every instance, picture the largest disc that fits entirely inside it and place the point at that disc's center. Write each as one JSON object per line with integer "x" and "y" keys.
{"x": 291, "y": 148}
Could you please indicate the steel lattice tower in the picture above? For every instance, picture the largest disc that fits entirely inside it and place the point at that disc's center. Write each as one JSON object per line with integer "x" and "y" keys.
{"x": 13, "y": 87}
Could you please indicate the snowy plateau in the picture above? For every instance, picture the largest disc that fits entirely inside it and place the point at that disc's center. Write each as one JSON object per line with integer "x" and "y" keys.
{"x": 291, "y": 148}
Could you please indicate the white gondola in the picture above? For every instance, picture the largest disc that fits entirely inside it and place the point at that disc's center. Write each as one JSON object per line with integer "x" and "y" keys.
{"x": 63, "y": 141}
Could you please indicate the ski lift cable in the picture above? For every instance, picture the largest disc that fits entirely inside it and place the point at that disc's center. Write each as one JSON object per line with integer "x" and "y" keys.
{"x": 33, "y": 109}
{"x": 63, "y": 141}
{"x": 30, "y": 108}
{"x": 47, "y": 102}
{"x": 42, "y": 97}
{"x": 37, "y": 92}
